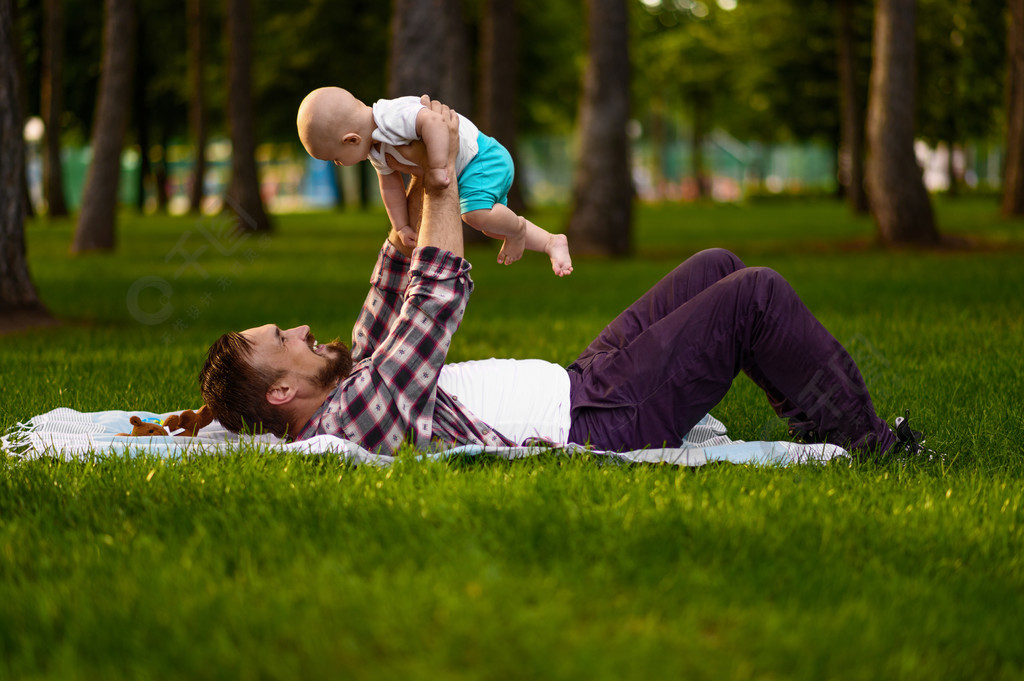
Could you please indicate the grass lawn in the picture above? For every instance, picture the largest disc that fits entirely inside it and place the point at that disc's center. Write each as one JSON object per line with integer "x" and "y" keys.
{"x": 261, "y": 566}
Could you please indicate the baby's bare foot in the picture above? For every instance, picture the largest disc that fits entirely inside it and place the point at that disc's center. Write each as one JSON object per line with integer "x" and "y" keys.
{"x": 514, "y": 246}
{"x": 558, "y": 250}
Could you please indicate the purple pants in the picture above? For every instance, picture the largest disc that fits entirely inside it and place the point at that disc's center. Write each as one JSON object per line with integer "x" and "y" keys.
{"x": 671, "y": 356}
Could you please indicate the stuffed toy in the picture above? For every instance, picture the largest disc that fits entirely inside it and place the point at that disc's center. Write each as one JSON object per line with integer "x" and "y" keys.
{"x": 190, "y": 421}
{"x": 142, "y": 428}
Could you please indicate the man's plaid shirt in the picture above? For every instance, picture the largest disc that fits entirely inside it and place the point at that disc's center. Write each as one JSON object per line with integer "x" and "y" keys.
{"x": 399, "y": 344}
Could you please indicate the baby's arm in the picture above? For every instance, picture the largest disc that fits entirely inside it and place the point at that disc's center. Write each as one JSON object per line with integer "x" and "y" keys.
{"x": 392, "y": 191}
{"x": 433, "y": 131}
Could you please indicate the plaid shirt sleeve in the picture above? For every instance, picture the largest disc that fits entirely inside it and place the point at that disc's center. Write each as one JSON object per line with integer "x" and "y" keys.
{"x": 391, "y": 395}
{"x": 388, "y": 282}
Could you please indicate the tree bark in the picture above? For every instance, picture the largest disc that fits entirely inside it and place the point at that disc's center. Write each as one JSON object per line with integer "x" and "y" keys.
{"x": 197, "y": 103}
{"x": 417, "y": 48}
{"x": 851, "y": 145}
{"x": 700, "y": 125}
{"x": 243, "y": 196}
{"x": 602, "y": 213}
{"x": 140, "y": 112}
{"x": 899, "y": 202}
{"x": 1013, "y": 171}
{"x": 18, "y": 297}
{"x": 52, "y": 106}
{"x": 499, "y": 78}
{"x": 98, "y": 216}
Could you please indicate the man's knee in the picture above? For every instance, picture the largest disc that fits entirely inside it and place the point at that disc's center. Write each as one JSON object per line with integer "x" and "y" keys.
{"x": 719, "y": 258}
{"x": 762, "y": 285}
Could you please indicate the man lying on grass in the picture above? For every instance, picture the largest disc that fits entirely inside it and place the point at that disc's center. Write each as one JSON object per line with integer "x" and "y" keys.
{"x": 645, "y": 381}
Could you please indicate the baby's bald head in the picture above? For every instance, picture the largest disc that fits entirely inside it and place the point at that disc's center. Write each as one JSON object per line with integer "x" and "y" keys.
{"x": 325, "y": 116}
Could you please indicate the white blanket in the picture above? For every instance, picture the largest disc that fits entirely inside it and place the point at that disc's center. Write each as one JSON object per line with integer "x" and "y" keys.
{"x": 69, "y": 434}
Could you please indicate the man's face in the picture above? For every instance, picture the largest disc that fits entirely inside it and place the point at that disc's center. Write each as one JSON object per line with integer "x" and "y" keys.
{"x": 297, "y": 353}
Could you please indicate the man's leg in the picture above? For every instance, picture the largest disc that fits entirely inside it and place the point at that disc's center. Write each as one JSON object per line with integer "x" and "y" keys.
{"x": 662, "y": 364}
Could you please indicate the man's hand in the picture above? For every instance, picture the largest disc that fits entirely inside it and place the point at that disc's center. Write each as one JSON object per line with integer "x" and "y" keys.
{"x": 441, "y": 225}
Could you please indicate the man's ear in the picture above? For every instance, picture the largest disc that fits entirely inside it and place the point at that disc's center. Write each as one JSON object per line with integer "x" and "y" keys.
{"x": 352, "y": 138}
{"x": 280, "y": 393}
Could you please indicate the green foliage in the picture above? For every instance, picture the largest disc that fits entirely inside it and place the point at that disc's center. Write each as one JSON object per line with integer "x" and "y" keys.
{"x": 258, "y": 565}
{"x": 767, "y": 69}
{"x": 962, "y": 63}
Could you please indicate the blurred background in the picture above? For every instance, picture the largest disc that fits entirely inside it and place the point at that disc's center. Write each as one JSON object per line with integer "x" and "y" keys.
{"x": 650, "y": 100}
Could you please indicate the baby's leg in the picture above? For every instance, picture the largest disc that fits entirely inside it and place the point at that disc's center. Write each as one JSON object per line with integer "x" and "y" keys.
{"x": 498, "y": 222}
{"x": 501, "y": 223}
{"x": 555, "y": 245}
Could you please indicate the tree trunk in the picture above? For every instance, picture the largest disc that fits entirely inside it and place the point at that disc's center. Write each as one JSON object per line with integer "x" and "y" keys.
{"x": 899, "y": 202}
{"x": 700, "y": 125}
{"x": 19, "y": 301}
{"x": 98, "y": 216}
{"x": 52, "y": 106}
{"x": 339, "y": 187}
{"x": 954, "y": 179}
{"x": 430, "y": 55}
{"x": 243, "y": 196}
{"x": 417, "y": 48}
{"x": 160, "y": 174}
{"x": 1013, "y": 172}
{"x": 851, "y": 145}
{"x": 602, "y": 213}
{"x": 140, "y": 112}
{"x": 499, "y": 76}
{"x": 197, "y": 103}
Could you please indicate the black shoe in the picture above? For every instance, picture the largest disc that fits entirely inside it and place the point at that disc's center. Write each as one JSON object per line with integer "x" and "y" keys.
{"x": 910, "y": 442}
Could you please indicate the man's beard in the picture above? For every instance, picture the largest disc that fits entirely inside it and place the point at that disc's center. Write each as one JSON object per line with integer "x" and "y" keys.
{"x": 339, "y": 364}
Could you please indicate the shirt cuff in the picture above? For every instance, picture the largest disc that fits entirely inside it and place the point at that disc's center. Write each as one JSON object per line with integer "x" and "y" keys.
{"x": 430, "y": 262}
{"x": 392, "y": 270}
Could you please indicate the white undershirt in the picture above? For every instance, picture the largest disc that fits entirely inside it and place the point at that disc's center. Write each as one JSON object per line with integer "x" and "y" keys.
{"x": 520, "y": 398}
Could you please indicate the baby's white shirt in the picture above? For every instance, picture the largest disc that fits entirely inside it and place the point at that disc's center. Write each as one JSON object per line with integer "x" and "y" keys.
{"x": 396, "y": 127}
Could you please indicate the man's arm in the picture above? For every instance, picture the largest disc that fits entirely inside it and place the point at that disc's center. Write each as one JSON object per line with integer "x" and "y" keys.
{"x": 441, "y": 226}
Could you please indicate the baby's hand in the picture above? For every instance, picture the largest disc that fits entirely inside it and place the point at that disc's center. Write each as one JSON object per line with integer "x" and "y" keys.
{"x": 436, "y": 178}
{"x": 408, "y": 235}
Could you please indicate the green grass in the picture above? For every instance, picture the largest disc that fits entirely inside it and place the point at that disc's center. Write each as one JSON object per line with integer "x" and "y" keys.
{"x": 270, "y": 566}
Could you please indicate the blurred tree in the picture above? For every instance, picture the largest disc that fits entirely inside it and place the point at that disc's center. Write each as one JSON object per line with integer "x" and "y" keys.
{"x": 686, "y": 67}
{"x": 19, "y": 302}
{"x": 430, "y": 55}
{"x": 243, "y": 195}
{"x": 601, "y": 220}
{"x": 498, "y": 106}
{"x": 25, "y": 32}
{"x": 162, "y": 93}
{"x": 52, "y": 106}
{"x": 851, "y": 145}
{"x": 1013, "y": 172}
{"x": 417, "y": 48}
{"x": 98, "y": 216}
{"x": 298, "y": 50}
{"x": 962, "y": 51}
{"x": 551, "y": 62}
{"x": 197, "y": 102}
{"x": 899, "y": 202}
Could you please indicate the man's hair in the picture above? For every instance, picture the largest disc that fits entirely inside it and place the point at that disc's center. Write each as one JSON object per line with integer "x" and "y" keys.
{"x": 236, "y": 390}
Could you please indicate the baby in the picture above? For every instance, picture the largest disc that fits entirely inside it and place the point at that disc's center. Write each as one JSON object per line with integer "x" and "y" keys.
{"x": 405, "y": 136}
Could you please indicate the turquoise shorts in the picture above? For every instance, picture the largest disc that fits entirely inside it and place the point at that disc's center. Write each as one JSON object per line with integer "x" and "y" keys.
{"x": 486, "y": 179}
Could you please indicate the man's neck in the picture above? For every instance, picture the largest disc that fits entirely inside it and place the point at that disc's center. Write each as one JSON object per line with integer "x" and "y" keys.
{"x": 303, "y": 412}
